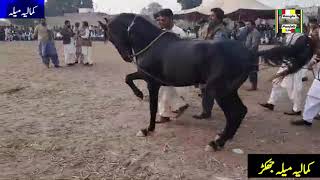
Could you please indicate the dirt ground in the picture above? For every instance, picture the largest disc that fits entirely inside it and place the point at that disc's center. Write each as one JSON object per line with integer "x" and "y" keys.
{"x": 80, "y": 123}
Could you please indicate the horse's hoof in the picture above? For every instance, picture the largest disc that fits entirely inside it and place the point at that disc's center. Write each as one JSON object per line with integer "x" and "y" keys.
{"x": 215, "y": 146}
{"x": 217, "y": 137}
{"x": 139, "y": 95}
{"x": 208, "y": 148}
{"x": 141, "y": 133}
{"x": 144, "y": 133}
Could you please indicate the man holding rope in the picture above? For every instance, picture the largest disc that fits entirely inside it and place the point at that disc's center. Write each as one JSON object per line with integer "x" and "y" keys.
{"x": 171, "y": 105}
{"x": 291, "y": 85}
{"x": 312, "y": 106}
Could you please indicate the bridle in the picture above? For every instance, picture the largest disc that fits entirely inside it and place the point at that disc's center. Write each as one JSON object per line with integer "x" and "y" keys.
{"x": 134, "y": 55}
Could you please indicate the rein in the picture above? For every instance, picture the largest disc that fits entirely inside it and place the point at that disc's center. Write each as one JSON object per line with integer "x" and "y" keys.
{"x": 148, "y": 46}
{"x": 135, "y": 55}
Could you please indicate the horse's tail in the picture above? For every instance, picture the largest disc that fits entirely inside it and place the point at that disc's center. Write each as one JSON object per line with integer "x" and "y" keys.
{"x": 295, "y": 57}
{"x": 274, "y": 56}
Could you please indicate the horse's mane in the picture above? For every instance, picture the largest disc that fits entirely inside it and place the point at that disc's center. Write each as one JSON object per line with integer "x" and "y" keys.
{"x": 146, "y": 29}
{"x": 126, "y": 16}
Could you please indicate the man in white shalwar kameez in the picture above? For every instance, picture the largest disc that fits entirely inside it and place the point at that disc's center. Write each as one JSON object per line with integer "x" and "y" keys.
{"x": 86, "y": 46}
{"x": 291, "y": 84}
{"x": 170, "y": 104}
{"x": 312, "y": 105}
{"x": 68, "y": 44}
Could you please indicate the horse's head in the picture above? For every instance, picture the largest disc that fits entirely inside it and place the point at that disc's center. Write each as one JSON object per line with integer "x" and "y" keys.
{"x": 117, "y": 30}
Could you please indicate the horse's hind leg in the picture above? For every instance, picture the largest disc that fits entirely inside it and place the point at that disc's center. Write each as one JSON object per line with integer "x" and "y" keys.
{"x": 135, "y": 89}
{"x": 235, "y": 112}
{"x": 153, "y": 102}
{"x": 207, "y": 104}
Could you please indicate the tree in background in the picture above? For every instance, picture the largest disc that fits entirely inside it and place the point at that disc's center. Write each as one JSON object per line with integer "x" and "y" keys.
{"x": 152, "y": 8}
{"x": 188, "y": 4}
{"x": 59, "y": 7}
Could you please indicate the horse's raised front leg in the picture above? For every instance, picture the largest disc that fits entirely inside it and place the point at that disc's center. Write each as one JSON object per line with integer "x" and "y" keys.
{"x": 129, "y": 80}
{"x": 234, "y": 111}
{"x": 153, "y": 102}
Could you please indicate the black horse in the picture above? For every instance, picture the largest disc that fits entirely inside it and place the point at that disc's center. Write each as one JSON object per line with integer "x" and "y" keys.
{"x": 163, "y": 59}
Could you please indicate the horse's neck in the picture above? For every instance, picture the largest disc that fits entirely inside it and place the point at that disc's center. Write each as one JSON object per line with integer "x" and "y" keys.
{"x": 143, "y": 40}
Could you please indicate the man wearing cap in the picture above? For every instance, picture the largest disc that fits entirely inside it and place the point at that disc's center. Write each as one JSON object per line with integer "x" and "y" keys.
{"x": 170, "y": 104}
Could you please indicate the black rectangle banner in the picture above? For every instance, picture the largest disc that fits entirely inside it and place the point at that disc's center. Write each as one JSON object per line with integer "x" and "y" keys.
{"x": 283, "y": 165}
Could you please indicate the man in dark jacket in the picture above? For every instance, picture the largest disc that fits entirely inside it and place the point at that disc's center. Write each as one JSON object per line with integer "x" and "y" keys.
{"x": 242, "y": 32}
{"x": 252, "y": 43}
{"x": 216, "y": 32}
{"x": 68, "y": 44}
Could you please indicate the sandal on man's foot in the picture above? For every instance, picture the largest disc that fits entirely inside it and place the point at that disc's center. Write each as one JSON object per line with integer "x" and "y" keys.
{"x": 301, "y": 122}
{"x": 293, "y": 113}
{"x": 181, "y": 110}
{"x": 202, "y": 116}
{"x": 268, "y": 106}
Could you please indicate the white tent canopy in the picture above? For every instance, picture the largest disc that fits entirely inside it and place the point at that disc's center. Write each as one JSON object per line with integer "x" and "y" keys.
{"x": 228, "y": 6}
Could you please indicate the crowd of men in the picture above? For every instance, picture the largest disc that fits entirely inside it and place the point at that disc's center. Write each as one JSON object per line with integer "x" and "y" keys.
{"x": 77, "y": 44}
{"x": 292, "y": 85}
{"x": 96, "y": 33}
{"x": 16, "y": 33}
{"x": 23, "y": 33}
{"x": 171, "y": 99}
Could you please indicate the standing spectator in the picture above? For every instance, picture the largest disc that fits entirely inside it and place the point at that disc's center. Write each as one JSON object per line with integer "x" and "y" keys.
{"x": 242, "y": 32}
{"x": 203, "y": 29}
{"x": 86, "y": 44}
{"x": 291, "y": 84}
{"x": 79, "y": 57}
{"x": 170, "y": 104}
{"x": 68, "y": 46}
{"x": 7, "y": 32}
{"x": 312, "y": 105}
{"x": 2, "y": 33}
{"x": 216, "y": 32}
{"x": 47, "y": 47}
{"x": 252, "y": 43}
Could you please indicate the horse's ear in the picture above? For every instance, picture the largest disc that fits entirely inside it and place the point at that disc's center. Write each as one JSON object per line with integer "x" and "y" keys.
{"x": 104, "y": 26}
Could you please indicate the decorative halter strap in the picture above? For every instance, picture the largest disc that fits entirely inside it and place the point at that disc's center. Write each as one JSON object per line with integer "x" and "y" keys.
{"x": 149, "y": 45}
{"x": 134, "y": 55}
